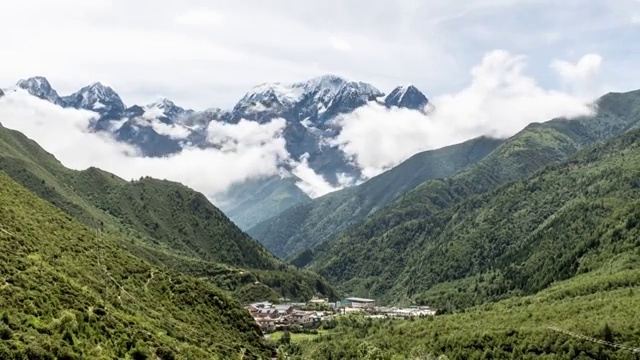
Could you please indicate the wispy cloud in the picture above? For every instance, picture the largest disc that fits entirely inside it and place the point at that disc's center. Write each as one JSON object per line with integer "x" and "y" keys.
{"x": 499, "y": 101}
{"x": 310, "y": 182}
{"x": 580, "y": 74}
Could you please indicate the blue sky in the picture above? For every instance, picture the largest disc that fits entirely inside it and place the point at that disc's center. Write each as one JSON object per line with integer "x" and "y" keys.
{"x": 203, "y": 54}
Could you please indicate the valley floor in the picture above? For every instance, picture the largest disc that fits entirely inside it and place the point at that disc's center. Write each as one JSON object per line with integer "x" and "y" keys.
{"x": 576, "y": 319}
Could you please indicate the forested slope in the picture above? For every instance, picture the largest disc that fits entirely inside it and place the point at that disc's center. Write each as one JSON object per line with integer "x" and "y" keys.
{"x": 459, "y": 229}
{"x": 71, "y": 293}
{"x": 161, "y": 221}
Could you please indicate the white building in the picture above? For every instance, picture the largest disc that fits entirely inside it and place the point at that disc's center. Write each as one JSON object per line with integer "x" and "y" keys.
{"x": 362, "y": 303}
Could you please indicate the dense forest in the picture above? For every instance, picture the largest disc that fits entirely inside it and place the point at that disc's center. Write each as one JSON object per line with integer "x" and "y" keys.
{"x": 473, "y": 230}
{"x": 71, "y": 293}
{"x": 162, "y": 222}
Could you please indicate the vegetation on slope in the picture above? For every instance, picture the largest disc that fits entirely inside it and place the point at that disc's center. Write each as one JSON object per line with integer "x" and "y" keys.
{"x": 600, "y": 306}
{"x": 39, "y": 171}
{"x": 312, "y": 223}
{"x": 431, "y": 236}
{"x": 70, "y": 293}
{"x": 185, "y": 221}
{"x": 246, "y": 285}
{"x": 163, "y": 222}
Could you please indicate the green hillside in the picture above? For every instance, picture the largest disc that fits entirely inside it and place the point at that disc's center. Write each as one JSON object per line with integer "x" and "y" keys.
{"x": 602, "y": 306}
{"x": 310, "y": 224}
{"x": 432, "y": 235}
{"x": 71, "y": 293}
{"x": 163, "y": 222}
{"x": 184, "y": 220}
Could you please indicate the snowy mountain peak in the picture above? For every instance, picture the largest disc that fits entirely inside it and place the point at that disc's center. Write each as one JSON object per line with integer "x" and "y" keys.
{"x": 35, "y": 82}
{"x": 317, "y": 100}
{"x": 280, "y": 92}
{"x": 165, "y": 110}
{"x": 406, "y": 96}
{"x": 365, "y": 88}
{"x": 165, "y": 104}
{"x": 39, "y": 86}
{"x": 99, "y": 98}
{"x": 330, "y": 84}
{"x": 97, "y": 89}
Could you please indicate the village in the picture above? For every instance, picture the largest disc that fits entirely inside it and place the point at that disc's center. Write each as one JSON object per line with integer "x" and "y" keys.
{"x": 288, "y": 315}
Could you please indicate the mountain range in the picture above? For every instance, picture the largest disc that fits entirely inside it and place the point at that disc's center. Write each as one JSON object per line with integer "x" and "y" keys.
{"x": 309, "y": 108}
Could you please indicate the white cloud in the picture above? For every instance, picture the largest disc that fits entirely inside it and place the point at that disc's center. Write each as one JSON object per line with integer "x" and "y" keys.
{"x": 500, "y": 100}
{"x": 580, "y": 72}
{"x": 311, "y": 183}
{"x": 177, "y": 132}
{"x": 245, "y": 134}
{"x": 150, "y": 118}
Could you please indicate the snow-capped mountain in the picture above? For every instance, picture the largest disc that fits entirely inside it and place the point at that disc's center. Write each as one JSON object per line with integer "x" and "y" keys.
{"x": 166, "y": 111}
{"x": 309, "y": 108}
{"x": 317, "y": 100}
{"x": 99, "y": 98}
{"x": 406, "y": 97}
{"x": 156, "y": 129}
{"x": 348, "y": 98}
{"x": 40, "y": 87}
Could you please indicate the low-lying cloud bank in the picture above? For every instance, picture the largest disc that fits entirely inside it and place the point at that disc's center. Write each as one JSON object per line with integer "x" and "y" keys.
{"x": 245, "y": 150}
{"x": 500, "y": 100}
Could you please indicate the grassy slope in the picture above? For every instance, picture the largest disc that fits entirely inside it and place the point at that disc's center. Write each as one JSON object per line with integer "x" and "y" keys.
{"x": 185, "y": 221}
{"x": 514, "y": 328}
{"x": 310, "y": 224}
{"x": 396, "y": 236}
{"x": 164, "y": 222}
{"x": 69, "y": 293}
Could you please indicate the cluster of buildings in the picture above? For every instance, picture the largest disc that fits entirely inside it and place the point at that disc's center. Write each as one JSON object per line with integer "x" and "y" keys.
{"x": 273, "y": 317}
{"x": 369, "y": 306}
{"x": 413, "y": 311}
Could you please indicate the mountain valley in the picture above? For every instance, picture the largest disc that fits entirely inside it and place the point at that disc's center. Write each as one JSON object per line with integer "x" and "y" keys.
{"x": 543, "y": 221}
